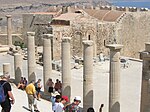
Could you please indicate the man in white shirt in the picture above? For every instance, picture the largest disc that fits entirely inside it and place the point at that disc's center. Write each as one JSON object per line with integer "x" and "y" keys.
{"x": 55, "y": 101}
{"x": 60, "y": 106}
{"x": 53, "y": 98}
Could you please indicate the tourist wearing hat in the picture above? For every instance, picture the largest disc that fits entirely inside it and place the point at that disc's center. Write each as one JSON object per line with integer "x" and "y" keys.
{"x": 74, "y": 107}
{"x": 61, "y": 104}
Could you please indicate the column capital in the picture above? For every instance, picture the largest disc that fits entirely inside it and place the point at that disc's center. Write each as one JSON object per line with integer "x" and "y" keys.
{"x": 66, "y": 39}
{"x": 8, "y": 16}
{"x": 17, "y": 54}
{"x": 145, "y": 55}
{"x": 48, "y": 36}
{"x": 114, "y": 46}
{"x": 6, "y": 63}
{"x": 88, "y": 42}
{"x": 147, "y": 46}
{"x": 30, "y": 33}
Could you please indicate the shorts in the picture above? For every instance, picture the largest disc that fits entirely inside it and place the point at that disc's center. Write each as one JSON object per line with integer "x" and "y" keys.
{"x": 50, "y": 89}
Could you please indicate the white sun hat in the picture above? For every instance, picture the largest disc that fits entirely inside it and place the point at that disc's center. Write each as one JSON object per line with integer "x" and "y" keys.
{"x": 55, "y": 93}
{"x": 78, "y": 98}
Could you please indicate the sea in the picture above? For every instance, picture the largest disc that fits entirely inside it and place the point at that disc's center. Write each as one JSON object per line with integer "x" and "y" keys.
{"x": 138, "y": 4}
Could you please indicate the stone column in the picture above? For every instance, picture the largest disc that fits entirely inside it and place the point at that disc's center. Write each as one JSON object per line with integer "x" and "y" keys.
{"x": 66, "y": 67}
{"x": 145, "y": 87}
{"x": 113, "y": 7}
{"x": 31, "y": 56}
{"x": 47, "y": 63}
{"x": 127, "y": 9}
{"x": 87, "y": 75}
{"x": 18, "y": 67}
{"x": 69, "y": 9}
{"x": 7, "y": 69}
{"x": 9, "y": 30}
{"x": 114, "y": 78}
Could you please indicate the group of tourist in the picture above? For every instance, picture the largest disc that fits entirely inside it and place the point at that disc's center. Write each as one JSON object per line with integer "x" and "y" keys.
{"x": 59, "y": 103}
{"x": 33, "y": 90}
{"x": 52, "y": 87}
{"x": 22, "y": 84}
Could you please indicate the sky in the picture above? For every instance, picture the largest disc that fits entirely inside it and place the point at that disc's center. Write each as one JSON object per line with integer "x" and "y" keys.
{"x": 129, "y": 0}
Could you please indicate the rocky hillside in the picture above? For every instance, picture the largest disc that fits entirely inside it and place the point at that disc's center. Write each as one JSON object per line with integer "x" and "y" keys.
{"x": 15, "y": 6}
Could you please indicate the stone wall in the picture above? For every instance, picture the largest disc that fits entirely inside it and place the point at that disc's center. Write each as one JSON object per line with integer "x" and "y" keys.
{"x": 37, "y": 23}
{"x": 133, "y": 32}
{"x": 130, "y": 30}
{"x": 78, "y": 31}
{"x": 106, "y": 35}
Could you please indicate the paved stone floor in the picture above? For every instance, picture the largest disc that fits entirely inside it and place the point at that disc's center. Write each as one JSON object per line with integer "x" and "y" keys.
{"x": 130, "y": 79}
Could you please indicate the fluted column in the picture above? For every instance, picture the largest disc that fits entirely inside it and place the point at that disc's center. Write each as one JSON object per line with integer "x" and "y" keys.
{"x": 31, "y": 56}
{"x": 87, "y": 75}
{"x": 47, "y": 62}
{"x": 7, "y": 69}
{"x": 114, "y": 78}
{"x": 66, "y": 67}
{"x": 145, "y": 87}
{"x": 18, "y": 67}
{"x": 9, "y": 30}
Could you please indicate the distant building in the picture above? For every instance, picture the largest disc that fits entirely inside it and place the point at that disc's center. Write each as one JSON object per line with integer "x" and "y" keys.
{"x": 104, "y": 25}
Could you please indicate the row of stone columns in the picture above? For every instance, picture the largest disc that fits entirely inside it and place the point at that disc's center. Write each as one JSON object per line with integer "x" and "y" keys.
{"x": 114, "y": 86}
{"x": 114, "y": 80}
{"x": 114, "y": 91}
{"x": 87, "y": 72}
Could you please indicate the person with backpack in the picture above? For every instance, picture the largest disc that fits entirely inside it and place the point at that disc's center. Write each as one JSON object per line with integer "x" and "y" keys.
{"x": 6, "y": 96}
